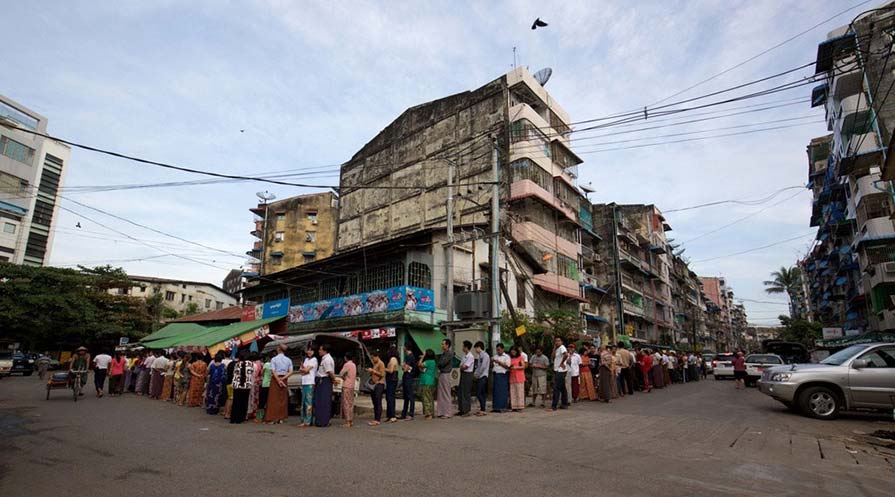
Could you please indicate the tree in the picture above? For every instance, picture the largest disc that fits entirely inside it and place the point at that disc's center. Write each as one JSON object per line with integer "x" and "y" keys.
{"x": 785, "y": 280}
{"x": 191, "y": 308}
{"x": 542, "y": 328}
{"x": 55, "y": 308}
{"x": 800, "y": 330}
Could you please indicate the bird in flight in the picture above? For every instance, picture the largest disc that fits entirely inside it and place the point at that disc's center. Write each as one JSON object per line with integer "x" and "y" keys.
{"x": 78, "y": 225}
{"x": 538, "y": 24}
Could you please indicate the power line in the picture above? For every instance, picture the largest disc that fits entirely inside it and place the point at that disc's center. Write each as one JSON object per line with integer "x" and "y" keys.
{"x": 747, "y": 216}
{"x": 763, "y": 52}
{"x": 740, "y": 202}
{"x": 684, "y": 140}
{"x": 754, "y": 249}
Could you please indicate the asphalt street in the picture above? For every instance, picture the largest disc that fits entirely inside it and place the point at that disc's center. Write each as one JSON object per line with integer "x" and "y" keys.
{"x": 701, "y": 438}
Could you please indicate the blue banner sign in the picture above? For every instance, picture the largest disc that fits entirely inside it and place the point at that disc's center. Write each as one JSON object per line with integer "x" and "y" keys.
{"x": 274, "y": 309}
{"x": 391, "y": 299}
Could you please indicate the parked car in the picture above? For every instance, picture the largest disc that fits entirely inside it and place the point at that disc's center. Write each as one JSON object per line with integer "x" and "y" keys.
{"x": 22, "y": 364}
{"x": 756, "y": 364}
{"x": 722, "y": 366}
{"x": 857, "y": 377}
{"x": 790, "y": 352}
{"x": 5, "y": 363}
{"x": 709, "y": 363}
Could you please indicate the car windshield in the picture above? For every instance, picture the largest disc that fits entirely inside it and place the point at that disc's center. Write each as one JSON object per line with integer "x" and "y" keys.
{"x": 763, "y": 359}
{"x": 843, "y": 355}
{"x": 708, "y": 357}
{"x": 724, "y": 357}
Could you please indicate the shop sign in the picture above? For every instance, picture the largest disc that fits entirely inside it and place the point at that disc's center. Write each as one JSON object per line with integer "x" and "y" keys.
{"x": 248, "y": 313}
{"x": 831, "y": 333}
{"x": 275, "y": 309}
{"x": 391, "y": 299}
{"x": 371, "y": 334}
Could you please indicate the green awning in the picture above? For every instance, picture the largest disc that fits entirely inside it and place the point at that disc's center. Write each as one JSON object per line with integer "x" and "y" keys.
{"x": 427, "y": 339}
{"x": 164, "y": 343}
{"x": 223, "y": 333}
{"x": 172, "y": 330}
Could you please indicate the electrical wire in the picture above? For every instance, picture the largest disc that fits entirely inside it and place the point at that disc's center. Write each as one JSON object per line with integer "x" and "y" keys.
{"x": 754, "y": 249}
{"x": 739, "y": 220}
{"x": 763, "y": 52}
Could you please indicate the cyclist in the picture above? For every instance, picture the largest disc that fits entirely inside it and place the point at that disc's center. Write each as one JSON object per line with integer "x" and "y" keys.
{"x": 78, "y": 364}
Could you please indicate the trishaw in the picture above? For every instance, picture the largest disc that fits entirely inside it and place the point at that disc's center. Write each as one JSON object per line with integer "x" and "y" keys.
{"x": 71, "y": 379}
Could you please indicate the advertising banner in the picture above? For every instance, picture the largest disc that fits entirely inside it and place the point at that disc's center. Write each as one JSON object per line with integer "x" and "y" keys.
{"x": 390, "y": 299}
{"x": 830, "y": 333}
{"x": 248, "y": 313}
{"x": 275, "y": 309}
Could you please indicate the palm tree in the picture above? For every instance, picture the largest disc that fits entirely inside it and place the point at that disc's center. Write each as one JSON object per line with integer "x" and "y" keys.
{"x": 785, "y": 280}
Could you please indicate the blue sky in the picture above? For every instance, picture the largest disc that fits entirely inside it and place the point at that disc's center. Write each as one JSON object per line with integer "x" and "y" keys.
{"x": 311, "y": 82}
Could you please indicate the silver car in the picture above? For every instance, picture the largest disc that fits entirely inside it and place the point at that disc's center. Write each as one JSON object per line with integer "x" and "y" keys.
{"x": 857, "y": 377}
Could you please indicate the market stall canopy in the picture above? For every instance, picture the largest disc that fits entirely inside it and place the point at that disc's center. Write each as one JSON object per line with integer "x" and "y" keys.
{"x": 174, "y": 341}
{"x": 221, "y": 334}
{"x": 172, "y": 330}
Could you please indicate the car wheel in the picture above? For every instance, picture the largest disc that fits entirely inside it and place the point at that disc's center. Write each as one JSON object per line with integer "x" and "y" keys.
{"x": 819, "y": 403}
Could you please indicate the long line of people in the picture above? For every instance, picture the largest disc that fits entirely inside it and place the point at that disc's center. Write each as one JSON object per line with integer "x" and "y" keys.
{"x": 249, "y": 387}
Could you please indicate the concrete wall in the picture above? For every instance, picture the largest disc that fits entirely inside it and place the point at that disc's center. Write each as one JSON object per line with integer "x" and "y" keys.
{"x": 296, "y": 226}
{"x": 205, "y": 295}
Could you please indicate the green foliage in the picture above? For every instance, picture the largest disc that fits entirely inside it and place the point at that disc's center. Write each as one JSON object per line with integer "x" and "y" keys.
{"x": 800, "y": 330}
{"x": 191, "y": 308}
{"x": 542, "y": 328}
{"x": 56, "y": 309}
{"x": 785, "y": 280}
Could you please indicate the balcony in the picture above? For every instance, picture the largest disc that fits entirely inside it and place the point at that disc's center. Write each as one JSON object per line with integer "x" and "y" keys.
{"x": 863, "y": 186}
{"x": 259, "y": 229}
{"x": 630, "y": 308}
{"x": 559, "y": 285}
{"x": 591, "y": 282}
{"x": 849, "y": 82}
{"x": 529, "y": 231}
{"x": 881, "y": 273}
{"x": 528, "y": 188}
{"x": 886, "y": 319}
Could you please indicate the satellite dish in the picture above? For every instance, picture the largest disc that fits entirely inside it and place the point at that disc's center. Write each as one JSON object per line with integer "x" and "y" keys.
{"x": 543, "y": 75}
{"x": 587, "y": 189}
{"x": 265, "y": 196}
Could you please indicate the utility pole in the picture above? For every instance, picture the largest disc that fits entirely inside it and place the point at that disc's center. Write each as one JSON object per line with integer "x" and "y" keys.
{"x": 449, "y": 251}
{"x": 495, "y": 246}
{"x": 619, "y": 305}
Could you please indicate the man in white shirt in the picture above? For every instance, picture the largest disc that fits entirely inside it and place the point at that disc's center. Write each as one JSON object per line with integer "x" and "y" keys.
{"x": 500, "y": 401}
{"x": 464, "y": 392}
{"x": 574, "y": 372}
{"x": 482, "y": 368}
{"x": 157, "y": 378}
{"x": 560, "y": 369}
{"x": 100, "y": 371}
{"x": 323, "y": 393}
{"x": 278, "y": 397}
{"x": 308, "y": 373}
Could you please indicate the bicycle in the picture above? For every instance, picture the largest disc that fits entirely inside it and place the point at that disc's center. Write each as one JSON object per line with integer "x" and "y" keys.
{"x": 76, "y": 385}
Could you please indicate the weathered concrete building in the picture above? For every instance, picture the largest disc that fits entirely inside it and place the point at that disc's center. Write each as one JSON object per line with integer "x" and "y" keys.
{"x": 393, "y": 214}
{"x": 292, "y": 232}
{"x": 180, "y": 295}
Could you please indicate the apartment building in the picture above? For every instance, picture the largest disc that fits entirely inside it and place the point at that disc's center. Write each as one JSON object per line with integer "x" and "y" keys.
{"x": 179, "y": 294}
{"x": 851, "y": 268}
{"x": 32, "y": 170}
{"x": 292, "y": 232}
{"x": 635, "y": 254}
{"x": 393, "y": 216}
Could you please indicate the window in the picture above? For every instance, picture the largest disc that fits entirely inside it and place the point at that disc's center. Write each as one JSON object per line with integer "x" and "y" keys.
{"x": 208, "y": 303}
{"x": 309, "y": 257}
{"x": 419, "y": 275}
{"x": 279, "y": 236}
{"x": 9, "y": 228}
{"x": 122, "y": 291}
{"x": 18, "y": 117}
{"x": 276, "y": 259}
{"x": 520, "y": 292}
{"x": 169, "y": 296}
{"x": 280, "y": 216}
{"x": 883, "y": 357}
{"x": 182, "y": 298}
{"x": 190, "y": 298}
{"x": 184, "y": 286}
{"x": 312, "y": 217}
{"x": 12, "y": 185}
{"x": 218, "y": 305}
{"x": 16, "y": 151}
{"x": 523, "y": 169}
{"x": 311, "y": 236}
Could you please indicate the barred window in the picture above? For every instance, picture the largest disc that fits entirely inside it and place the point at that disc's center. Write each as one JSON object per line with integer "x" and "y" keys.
{"x": 419, "y": 275}
{"x": 303, "y": 295}
{"x": 384, "y": 276}
{"x": 523, "y": 169}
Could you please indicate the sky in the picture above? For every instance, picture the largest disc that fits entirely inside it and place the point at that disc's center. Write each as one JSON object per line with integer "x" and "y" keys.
{"x": 297, "y": 88}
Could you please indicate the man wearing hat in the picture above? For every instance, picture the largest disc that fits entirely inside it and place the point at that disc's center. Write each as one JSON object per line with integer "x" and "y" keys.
{"x": 79, "y": 362}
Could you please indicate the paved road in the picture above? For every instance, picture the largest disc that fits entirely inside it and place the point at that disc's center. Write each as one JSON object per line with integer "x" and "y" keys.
{"x": 696, "y": 439}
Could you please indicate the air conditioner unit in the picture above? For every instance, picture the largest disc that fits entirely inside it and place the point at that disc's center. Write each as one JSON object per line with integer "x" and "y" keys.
{"x": 889, "y": 267}
{"x": 314, "y": 222}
